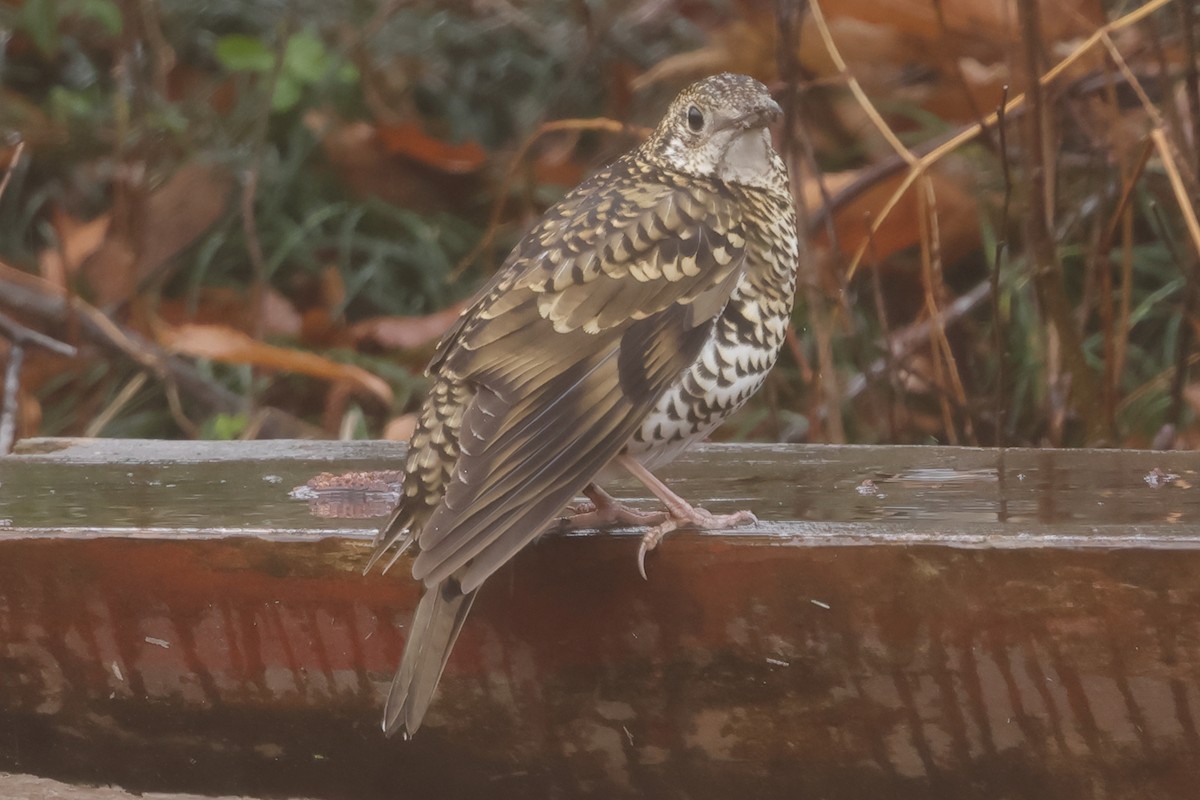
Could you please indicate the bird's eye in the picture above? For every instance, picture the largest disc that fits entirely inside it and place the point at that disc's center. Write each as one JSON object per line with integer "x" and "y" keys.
{"x": 695, "y": 119}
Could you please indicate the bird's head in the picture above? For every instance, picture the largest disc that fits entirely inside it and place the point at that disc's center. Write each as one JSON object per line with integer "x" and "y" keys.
{"x": 717, "y": 128}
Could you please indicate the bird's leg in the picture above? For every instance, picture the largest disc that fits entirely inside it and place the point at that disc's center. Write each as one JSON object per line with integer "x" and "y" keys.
{"x": 680, "y": 512}
{"x": 603, "y": 510}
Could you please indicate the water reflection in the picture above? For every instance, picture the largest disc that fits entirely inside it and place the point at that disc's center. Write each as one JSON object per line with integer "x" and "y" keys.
{"x": 233, "y": 663}
{"x": 921, "y": 672}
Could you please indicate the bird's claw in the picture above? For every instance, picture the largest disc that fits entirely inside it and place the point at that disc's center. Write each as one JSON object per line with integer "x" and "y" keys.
{"x": 607, "y": 515}
{"x": 650, "y": 540}
{"x": 699, "y": 518}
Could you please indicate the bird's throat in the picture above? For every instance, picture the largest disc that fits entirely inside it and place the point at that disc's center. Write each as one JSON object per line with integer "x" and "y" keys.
{"x": 749, "y": 159}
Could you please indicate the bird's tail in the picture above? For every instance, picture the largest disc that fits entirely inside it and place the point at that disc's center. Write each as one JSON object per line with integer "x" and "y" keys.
{"x": 435, "y": 626}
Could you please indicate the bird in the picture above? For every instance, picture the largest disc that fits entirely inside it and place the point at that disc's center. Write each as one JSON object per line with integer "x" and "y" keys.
{"x": 645, "y": 307}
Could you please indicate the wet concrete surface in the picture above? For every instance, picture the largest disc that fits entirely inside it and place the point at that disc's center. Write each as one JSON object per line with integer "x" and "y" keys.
{"x": 905, "y": 622}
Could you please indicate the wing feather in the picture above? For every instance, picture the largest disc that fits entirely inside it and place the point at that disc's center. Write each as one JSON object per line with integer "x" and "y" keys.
{"x": 593, "y": 317}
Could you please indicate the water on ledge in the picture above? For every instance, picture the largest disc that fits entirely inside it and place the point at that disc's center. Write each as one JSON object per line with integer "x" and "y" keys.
{"x": 103, "y": 487}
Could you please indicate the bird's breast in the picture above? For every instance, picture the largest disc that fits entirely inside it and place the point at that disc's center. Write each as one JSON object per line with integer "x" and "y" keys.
{"x": 731, "y": 367}
{"x": 742, "y": 346}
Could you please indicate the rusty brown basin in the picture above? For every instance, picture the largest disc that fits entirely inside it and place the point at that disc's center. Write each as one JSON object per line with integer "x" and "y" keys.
{"x": 905, "y": 623}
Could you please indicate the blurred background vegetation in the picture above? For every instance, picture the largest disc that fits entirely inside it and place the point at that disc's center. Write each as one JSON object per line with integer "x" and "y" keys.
{"x": 255, "y": 219}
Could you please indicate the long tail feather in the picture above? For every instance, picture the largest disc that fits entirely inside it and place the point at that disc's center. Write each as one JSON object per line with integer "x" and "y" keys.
{"x": 435, "y": 627}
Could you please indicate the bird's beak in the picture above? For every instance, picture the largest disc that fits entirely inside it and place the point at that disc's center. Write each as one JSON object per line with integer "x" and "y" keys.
{"x": 762, "y": 116}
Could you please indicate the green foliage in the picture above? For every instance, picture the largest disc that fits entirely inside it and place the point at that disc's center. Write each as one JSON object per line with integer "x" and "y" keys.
{"x": 224, "y": 427}
{"x": 42, "y": 20}
{"x": 306, "y": 62}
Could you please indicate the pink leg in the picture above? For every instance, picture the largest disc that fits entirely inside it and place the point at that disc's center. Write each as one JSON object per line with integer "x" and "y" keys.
{"x": 681, "y": 512}
{"x": 604, "y": 511}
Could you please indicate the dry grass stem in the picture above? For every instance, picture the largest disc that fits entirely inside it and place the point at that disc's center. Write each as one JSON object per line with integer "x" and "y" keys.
{"x": 856, "y": 89}
{"x": 1182, "y": 198}
{"x": 122, "y": 399}
{"x": 18, "y": 151}
{"x": 602, "y": 124}
{"x": 920, "y": 164}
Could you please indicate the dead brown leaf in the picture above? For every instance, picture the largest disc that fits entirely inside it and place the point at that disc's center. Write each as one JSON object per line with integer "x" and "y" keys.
{"x": 181, "y": 211}
{"x": 222, "y": 305}
{"x": 957, "y": 210}
{"x": 77, "y": 241}
{"x": 405, "y": 333}
{"x": 902, "y": 50}
{"x": 410, "y": 178}
{"x": 115, "y": 259}
{"x": 974, "y": 24}
{"x": 229, "y": 345}
{"x": 400, "y": 429}
{"x": 408, "y": 140}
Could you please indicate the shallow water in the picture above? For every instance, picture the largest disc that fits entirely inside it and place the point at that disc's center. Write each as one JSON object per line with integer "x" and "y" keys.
{"x": 1016, "y": 625}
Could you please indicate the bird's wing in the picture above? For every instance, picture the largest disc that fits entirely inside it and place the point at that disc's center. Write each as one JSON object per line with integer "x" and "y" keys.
{"x": 596, "y": 314}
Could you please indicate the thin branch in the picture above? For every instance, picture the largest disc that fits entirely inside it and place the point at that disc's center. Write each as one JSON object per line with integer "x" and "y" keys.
{"x": 906, "y": 340}
{"x": 20, "y": 336}
{"x": 18, "y": 333}
{"x": 126, "y": 394}
{"x": 1000, "y": 409}
{"x": 1047, "y": 273}
{"x": 1159, "y": 137}
{"x": 789, "y": 15}
{"x": 12, "y": 385}
{"x": 22, "y": 292}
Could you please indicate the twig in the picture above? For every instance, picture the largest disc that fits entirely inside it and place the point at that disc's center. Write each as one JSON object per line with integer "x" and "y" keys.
{"x": 1047, "y": 273}
{"x": 250, "y": 179}
{"x": 1191, "y": 297}
{"x": 1000, "y": 411}
{"x": 12, "y": 385}
{"x": 889, "y": 359}
{"x": 16, "y": 332}
{"x": 908, "y": 339}
{"x": 789, "y": 14}
{"x": 856, "y": 89}
{"x": 1191, "y": 77}
{"x": 1159, "y": 137}
{"x": 19, "y": 291}
{"x": 20, "y": 336}
{"x": 931, "y": 271}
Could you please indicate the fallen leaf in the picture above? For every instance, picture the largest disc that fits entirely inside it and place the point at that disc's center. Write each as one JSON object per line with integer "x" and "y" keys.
{"x": 408, "y": 140}
{"x": 370, "y": 168}
{"x": 957, "y": 216}
{"x": 115, "y": 259}
{"x": 222, "y": 305}
{"x": 405, "y": 333}
{"x": 973, "y": 24}
{"x": 77, "y": 241}
{"x": 400, "y": 429}
{"x": 111, "y": 271}
{"x": 229, "y": 345}
{"x": 280, "y": 317}
{"x": 180, "y": 211}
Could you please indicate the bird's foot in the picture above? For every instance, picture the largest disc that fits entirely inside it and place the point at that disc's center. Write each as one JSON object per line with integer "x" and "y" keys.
{"x": 602, "y": 510}
{"x": 680, "y": 513}
{"x": 683, "y": 515}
